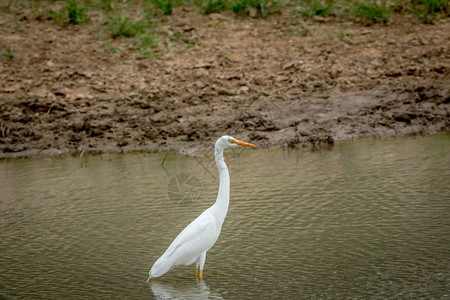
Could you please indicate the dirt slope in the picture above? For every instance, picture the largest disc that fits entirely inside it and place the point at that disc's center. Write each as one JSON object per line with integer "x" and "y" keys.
{"x": 256, "y": 79}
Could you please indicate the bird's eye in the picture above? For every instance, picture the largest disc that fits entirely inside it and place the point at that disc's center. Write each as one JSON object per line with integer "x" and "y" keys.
{"x": 230, "y": 141}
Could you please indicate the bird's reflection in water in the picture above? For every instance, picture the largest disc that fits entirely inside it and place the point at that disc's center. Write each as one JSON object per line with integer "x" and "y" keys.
{"x": 188, "y": 289}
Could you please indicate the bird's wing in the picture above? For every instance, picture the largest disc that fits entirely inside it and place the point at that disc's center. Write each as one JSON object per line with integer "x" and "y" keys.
{"x": 199, "y": 235}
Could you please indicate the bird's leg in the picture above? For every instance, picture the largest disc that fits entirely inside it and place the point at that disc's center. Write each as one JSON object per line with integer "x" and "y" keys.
{"x": 202, "y": 264}
{"x": 196, "y": 269}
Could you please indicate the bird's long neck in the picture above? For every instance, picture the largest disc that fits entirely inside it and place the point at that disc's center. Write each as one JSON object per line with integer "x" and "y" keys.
{"x": 223, "y": 196}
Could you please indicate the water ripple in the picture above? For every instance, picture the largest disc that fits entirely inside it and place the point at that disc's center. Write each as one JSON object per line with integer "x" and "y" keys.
{"x": 366, "y": 220}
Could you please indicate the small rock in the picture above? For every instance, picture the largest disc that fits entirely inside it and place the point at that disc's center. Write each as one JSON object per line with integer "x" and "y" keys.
{"x": 289, "y": 65}
{"x": 321, "y": 19}
{"x": 244, "y": 89}
{"x": 252, "y": 12}
{"x": 404, "y": 117}
{"x": 51, "y": 152}
{"x": 79, "y": 96}
{"x": 257, "y": 136}
{"x": 200, "y": 73}
{"x": 38, "y": 92}
{"x": 281, "y": 78}
{"x": 216, "y": 17}
{"x": 122, "y": 143}
{"x": 11, "y": 88}
{"x": 203, "y": 64}
{"x": 393, "y": 73}
{"x": 188, "y": 28}
{"x": 87, "y": 74}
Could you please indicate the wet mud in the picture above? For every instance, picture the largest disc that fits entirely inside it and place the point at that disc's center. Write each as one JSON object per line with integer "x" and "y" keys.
{"x": 255, "y": 79}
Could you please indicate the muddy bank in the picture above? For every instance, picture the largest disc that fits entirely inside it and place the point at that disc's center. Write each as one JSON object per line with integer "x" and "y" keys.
{"x": 256, "y": 79}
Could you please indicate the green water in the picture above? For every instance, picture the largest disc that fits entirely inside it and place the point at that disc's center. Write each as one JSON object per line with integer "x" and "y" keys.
{"x": 369, "y": 219}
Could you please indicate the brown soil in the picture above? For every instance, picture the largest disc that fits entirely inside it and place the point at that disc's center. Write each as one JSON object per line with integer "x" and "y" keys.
{"x": 256, "y": 79}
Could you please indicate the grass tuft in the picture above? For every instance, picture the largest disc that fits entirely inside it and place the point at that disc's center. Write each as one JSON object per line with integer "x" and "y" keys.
{"x": 147, "y": 39}
{"x": 312, "y": 8}
{"x": 75, "y": 13}
{"x": 166, "y": 6}
{"x": 427, "y": 10}
{"x": 107, "y": 5}
{"x": 305, "y": 31}
{"x": 262, "y": 6}
{"x": 344, "y": 37}
{"x": 435, "y": 6}
{"x": 212, "y": 6}
{"x": 71, "y": 13}
{"x": 145, "y": 46}
{"x": 7, "y": 52}
{"x": 119, "y": 26}
{"x": 372, "y": 12}
{"x": 7, "y": 6}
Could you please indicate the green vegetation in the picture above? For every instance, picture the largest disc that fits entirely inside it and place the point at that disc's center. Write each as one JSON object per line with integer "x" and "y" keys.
{"x": 363, "y": 11}
{"x": 77, "y": 11}
{"x": 264, "y": 7}
{"x": 165, "y": 6}
{"x": 110, "y": 47}
{"x": 145, "y": 46}
{"x": 436, "y": 6}
{"x": 119, "y": 26}
{"x": 71, "y": 12}
{"x": 311, "y": 8}
{"x": 372, "y": 12}
{"x": 212, "y": 6}
{"x": 76, "y": 14}
{"x": 107, "y": 5}
{"x": 142, "y": 24}
{"x": 144, "y": 42}
{"x": 304, "y": 31}
{"x": 344, "y": 37}
{"x": 7, "y": 6}
{"x": 428, "y": 10}
{"x": 7, "y": 52}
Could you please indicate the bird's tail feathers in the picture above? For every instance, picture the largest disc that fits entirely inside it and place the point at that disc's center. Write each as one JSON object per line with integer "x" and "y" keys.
{"x": 161, "y": 267}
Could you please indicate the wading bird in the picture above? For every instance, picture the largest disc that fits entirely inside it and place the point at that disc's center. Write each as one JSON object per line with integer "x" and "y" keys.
{"x": 191, "y": 245}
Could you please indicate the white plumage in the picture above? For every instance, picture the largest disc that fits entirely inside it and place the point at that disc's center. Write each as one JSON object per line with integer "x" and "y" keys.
{"x": 191, "y": 245}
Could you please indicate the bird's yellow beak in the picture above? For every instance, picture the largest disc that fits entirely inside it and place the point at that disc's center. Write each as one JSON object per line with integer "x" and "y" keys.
{"x": 241, "y": 143}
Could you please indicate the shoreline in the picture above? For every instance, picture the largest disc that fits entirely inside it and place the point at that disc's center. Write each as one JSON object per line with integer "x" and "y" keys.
{"x": 185, "y": 150}
{"x": 255, "y": 79}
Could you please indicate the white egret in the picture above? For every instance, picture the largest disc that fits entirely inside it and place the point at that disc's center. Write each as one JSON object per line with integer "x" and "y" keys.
{"x": 191, "y": 245}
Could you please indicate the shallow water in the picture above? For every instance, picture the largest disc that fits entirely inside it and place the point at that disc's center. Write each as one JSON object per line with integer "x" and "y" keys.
{"x": 367, "y": 219}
